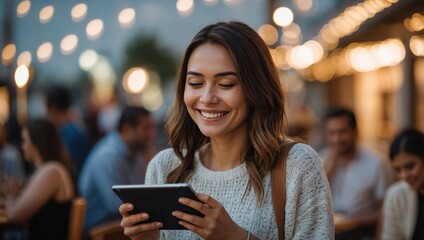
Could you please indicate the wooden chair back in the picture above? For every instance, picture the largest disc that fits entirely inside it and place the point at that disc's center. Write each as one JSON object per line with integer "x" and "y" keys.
{"x": 111, "y": 230}
{"x": 76, "y": 223}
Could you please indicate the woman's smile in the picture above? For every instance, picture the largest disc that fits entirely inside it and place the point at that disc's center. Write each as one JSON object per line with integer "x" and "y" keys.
{"x": 212, "y": 115}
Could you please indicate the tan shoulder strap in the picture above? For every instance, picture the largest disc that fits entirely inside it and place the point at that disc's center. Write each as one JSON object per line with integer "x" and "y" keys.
{"x": 278, "y": 186}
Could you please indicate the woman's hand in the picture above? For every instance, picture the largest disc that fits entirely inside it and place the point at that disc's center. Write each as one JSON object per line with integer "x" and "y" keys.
{"x": 216, "y": 224}
{"x": 134, "y": 230}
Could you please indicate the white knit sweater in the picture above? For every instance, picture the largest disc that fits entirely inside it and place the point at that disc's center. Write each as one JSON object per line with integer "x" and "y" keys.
{"x": 308, "y": 205}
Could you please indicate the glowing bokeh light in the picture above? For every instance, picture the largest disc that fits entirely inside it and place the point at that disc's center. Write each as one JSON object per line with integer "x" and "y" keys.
{"x": 292, "y": 34}
{"x": 24, "y": 58}
{"x": 4, "y": 104}
{"x": 46, "y": 14}
{"x": 300, "y": 57}
{"x": 68, "y": 44}
{"x": 79, "y": 12}
{"x": 416, "y": 44}
{"x": 88, "y": 59}
{"x": 304, "y": 5}
{"x": 316, "y": 48}
{"x": 268, "y": 33}
{"x": 23, "y": 8}
{"x": 126, "y": 17}
{"x": 185, "y": 7}
{"x": 21, "y": 76}
{"x": 45, "y": 52}
{"x": 135, "y": 80}
{"x": 283, "y": 16}
{"x": 8, "y": 53}
{"x": 94, "y": 29}
{"x": 362, "y": 60}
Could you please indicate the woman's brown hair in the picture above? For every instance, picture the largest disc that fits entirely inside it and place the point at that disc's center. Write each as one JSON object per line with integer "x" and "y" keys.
{"x": 44, "y": 135}
{"x": 264, "y": 95}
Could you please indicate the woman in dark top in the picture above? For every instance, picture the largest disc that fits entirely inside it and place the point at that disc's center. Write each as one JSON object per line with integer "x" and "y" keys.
{"x": 46, "y": 200}
{"x": 403, "y": 210}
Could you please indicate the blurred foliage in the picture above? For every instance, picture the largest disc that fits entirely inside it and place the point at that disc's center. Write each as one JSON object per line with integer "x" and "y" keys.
{"x": 144, "y": 51}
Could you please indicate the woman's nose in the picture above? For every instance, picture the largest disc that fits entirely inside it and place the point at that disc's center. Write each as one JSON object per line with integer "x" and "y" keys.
{"x": 208, "y": 96}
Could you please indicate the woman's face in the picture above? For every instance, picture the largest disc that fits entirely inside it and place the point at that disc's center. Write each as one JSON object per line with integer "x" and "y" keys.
{"x": 28, "y": 148}
{"x": 410, "y": 168}
{"x": 213, "y": 95}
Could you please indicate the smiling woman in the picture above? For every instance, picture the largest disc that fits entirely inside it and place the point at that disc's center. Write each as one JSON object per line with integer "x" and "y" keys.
{"x": 403, "y": 214}
{"x": 227, "y": 130}
{"x": 214, "y": 96}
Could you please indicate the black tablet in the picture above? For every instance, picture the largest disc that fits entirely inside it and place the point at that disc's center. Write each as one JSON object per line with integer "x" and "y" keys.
{"x": 159, "y": 201}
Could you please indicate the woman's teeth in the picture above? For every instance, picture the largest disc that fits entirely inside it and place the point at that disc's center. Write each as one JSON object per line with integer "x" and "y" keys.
{"x": 212, "y": 115}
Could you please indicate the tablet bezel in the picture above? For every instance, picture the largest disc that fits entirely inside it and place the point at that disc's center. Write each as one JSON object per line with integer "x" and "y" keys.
{"x": 158, "y": 200}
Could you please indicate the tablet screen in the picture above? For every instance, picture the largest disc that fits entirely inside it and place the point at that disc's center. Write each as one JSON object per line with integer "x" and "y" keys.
{"x": 159, "y": 201}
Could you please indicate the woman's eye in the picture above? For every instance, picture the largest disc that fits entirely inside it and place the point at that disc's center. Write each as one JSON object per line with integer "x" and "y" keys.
{"x": 194, "y": 84}
{"x": 227, "y": 85}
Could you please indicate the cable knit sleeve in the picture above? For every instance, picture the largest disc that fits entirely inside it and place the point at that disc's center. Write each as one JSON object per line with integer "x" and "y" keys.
{"x": 308, "y": 205}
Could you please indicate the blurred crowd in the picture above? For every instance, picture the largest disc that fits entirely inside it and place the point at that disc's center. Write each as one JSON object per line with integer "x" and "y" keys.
{"x": 374, "y": 195}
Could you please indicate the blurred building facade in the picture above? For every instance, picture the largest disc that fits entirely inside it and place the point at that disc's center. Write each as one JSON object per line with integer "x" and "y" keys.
{"x": 375, "y": 67}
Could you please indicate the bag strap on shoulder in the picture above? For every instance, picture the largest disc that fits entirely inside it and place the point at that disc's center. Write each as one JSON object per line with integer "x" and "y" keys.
{"x": 278, "y": 186}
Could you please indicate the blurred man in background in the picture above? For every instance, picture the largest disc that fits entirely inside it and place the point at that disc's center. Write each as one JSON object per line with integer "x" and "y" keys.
{"x": 358, "y": 178}
{"x": 118, "y": 158}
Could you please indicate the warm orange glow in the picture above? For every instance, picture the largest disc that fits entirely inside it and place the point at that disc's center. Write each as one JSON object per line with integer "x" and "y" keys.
{"x": 268, "y": 33}
{"x": 79, "y": 12}
{"x": 94, "y": 29}
{"x": 323, "y": 71}
{"x": 304, "y": 5}
{"x": 23, "y": 8}
{"x": 21, "y": 76}
{"x": 45, "y": 52}
{"x": 300, "y": 57}
{"x": 283, "y": 16}
{"x": 282, "y": 63}
{"x": 416, "y": 44}
{"x": 8, "y": 53}
{"x": 350, "y": 20}
{"x": 69, "y": 44}
{"x": 185, "y": 7}
{"x": 126, "y": 17}
{"x": 135, "y": 80}
{"x": 292, "y": 34}
{"x": 88, "y": 59}
{"x": 24, "y": 58}
{"x": 46, "y": 14}
{"x": 316, "y": 48}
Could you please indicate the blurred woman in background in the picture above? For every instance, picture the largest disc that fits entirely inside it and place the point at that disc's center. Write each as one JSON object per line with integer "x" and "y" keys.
{"x": 403, "y": 209}
{"x": 45, "y": 202}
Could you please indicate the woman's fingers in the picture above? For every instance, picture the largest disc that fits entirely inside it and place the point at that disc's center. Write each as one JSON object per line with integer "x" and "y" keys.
{"x": 193, "y": 219}
{"x": 140, "y": 228}
{"x": 125, "y": 208}
{"x": 205, "y": 206}
{"x": 134, "y": 219}
{"x": 208, "y": 200}
{"x": 202, "y": 207}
